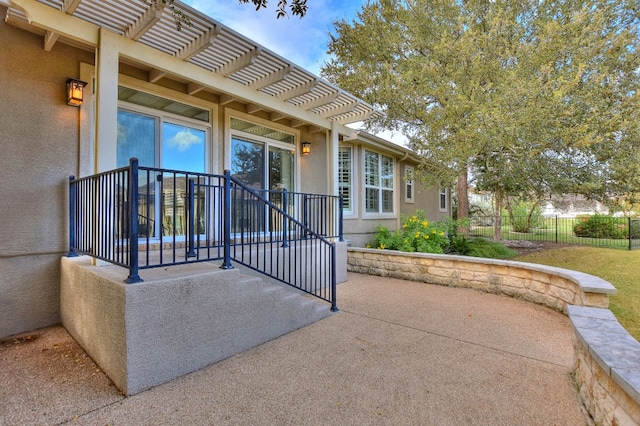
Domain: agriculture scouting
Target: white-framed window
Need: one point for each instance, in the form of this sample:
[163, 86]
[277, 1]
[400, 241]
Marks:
[408, 185]
[378, 183]
[168, 134]
[262, 157]
[345, 177]
[444, 205]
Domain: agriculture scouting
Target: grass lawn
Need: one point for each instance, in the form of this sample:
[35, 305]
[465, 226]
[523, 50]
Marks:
[621, 268]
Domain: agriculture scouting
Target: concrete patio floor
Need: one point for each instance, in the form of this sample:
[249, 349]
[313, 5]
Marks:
[397, 353]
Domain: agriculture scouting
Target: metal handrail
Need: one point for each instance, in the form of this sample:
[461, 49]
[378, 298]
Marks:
[202, 220]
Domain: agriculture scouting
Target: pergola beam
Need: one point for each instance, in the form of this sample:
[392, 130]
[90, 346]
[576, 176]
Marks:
[339, 110]
[240, 63]
[297, 91]
[203, 42]
[144, 23]
[273, 78]
[155, 75]
[323, 100]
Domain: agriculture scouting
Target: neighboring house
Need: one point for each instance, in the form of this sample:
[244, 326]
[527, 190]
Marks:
[202, 99]
[376, 180]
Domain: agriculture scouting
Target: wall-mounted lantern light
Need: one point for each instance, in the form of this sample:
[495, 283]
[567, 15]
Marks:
[74, 91]
[306, 148]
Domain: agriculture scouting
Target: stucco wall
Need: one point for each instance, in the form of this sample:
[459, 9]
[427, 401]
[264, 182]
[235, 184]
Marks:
[39, 140]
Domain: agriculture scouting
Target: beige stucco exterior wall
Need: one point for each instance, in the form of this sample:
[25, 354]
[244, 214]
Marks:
[314, 167]
[427, 199]
[39, 140]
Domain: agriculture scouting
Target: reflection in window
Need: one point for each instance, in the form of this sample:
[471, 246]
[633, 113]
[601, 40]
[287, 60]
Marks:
[136, 138]
[183, 148]
[247, 162]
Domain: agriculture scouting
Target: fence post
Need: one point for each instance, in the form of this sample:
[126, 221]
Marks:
[72, 217]
[340, 207]
[556, 229]
[334, 305]
[285, 233]
[630, 234]
[226, 263]
[132, 218]
[191, 252]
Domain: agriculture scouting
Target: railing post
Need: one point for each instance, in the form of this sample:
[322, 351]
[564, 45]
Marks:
[72, 217]
[340, 213]
[285, 231]
[226, 263]
[334, 304]
[192, 241]
[132, 217]
[305, 215]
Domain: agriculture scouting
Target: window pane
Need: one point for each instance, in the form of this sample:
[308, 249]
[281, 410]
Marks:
[387, 172]
[409, 183]
[247, 162]
[372, 202]
[162, 104]
[136, 138]
[371, 168]
[266, 132]
[281, 174]
[387, 201]
[344, 176]
[183, 148]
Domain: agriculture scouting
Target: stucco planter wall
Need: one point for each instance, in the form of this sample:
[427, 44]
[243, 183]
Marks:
[607, 358]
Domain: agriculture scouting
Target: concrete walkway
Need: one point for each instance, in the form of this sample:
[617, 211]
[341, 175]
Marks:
[397, 353]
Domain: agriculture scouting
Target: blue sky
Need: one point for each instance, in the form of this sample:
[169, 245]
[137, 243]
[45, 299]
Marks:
[301, 41]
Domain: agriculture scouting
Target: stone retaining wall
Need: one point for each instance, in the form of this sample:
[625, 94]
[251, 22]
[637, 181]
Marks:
[607, 358]
[552, 287]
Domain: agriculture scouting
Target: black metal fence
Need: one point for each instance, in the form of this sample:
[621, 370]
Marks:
[141, 217]
[590, 230]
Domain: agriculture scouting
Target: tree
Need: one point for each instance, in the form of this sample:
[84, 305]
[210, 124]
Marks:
[297, 7]
[517, 87]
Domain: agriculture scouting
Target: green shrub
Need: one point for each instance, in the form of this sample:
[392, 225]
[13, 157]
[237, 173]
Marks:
[600, 226]
[525, 218]
[417, 234]
[480, 247]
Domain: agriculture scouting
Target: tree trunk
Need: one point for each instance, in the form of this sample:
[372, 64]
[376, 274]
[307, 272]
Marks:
[497, 216]
[463, 202]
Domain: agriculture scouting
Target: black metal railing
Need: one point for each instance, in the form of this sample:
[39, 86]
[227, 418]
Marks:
[142, 217]
[591, 230]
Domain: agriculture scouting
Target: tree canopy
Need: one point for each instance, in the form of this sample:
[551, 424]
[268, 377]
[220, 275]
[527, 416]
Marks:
[529, 97]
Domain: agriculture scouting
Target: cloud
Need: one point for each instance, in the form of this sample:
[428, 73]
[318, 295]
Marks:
[183, 140]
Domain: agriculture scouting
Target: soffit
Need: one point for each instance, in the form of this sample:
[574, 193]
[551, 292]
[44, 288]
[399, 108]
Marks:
[212, 46]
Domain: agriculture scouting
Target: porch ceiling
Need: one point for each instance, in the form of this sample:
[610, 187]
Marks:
[211, 46]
